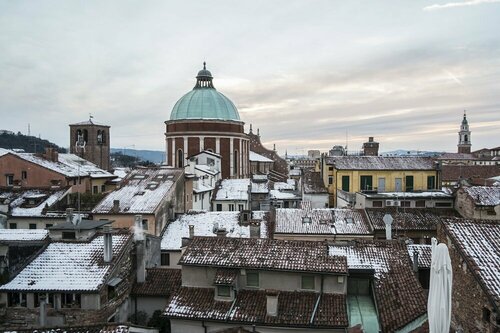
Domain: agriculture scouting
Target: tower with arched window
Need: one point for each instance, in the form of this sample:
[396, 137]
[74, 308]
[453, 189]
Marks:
[206, 120]
[464, 143]
[90, 141]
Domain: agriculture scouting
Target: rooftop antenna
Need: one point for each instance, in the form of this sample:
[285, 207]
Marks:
[346, 141]
[29, 129]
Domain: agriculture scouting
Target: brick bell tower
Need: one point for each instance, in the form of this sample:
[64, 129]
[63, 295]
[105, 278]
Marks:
[464, 145]
[90, 141]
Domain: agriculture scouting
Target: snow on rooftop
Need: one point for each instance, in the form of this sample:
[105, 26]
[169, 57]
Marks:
[254, 157]
[233, 189]
[484, 195]
[68, 267]
[381, 163]
[321, 221]
[141, 192]
[363, 258]
[410, 195]
[424, 254]
[276, 194]
[289, 185]
[20, 204]
[260, 187]
[204, 225]
[23, 234]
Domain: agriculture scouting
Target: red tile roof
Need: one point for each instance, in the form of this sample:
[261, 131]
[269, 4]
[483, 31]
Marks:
[226, 276]
[409, 218]
[159, 282]
[294, 308]
[259, 253]
[451, 173]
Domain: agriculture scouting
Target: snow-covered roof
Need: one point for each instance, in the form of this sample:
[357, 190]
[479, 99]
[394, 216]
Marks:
[13, 235]
[424, 254]
[477, 241]
[68, 267]
[254, 157]
[484, 195]
[89, 122]
[69, 165]
[261, 187]
[233, 189]
[20, 201]
[409, 195]
[313, 183]
[321, 221]
[381, 163]
[141, 192]
[279, 195]
[205, 223]
[288, 186]
[206, 169]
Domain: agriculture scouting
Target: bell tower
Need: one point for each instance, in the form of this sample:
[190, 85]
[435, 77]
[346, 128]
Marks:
[90, 141]
[464, 145]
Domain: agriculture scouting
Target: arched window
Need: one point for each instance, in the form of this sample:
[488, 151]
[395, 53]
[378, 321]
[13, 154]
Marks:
[235, 163]
[466, 138]
[78, 134]
[180, 158]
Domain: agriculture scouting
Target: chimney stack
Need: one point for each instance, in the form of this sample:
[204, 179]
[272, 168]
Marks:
[415, 261]
[140, 249]
[51, 154]
[254, 229]
[138, 229]
[108, 244]
[191, 231]
[116, 206]
[272, 302]
[388, 226]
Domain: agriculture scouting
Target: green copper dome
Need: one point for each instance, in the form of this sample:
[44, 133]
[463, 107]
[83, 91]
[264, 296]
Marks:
[204, 102]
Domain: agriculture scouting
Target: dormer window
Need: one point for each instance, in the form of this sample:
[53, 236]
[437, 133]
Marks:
[224, 291]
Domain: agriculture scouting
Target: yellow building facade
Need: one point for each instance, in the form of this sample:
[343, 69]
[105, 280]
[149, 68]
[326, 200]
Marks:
[346, 175]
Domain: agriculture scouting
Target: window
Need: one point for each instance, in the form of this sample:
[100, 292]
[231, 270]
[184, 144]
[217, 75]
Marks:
[442, 204]
[12, 225]
[95, 189]
[145, 224]
[219, 207]
[68, 235]
[32, 226]
[224, 291]
[431, 182]
[70, 300]
[16, 299]
[406, 203]
[240, 207]
[196, 198]
[180, 158]
[252, 279]
[307, 282]
[103, 188]
[366, 183]
[48, 225]
[330, 180]
[24, 174]
[409, 184]
[231, 207]
[165, 259]
[330, 168]
[420, 203]
[377, 203]
[9, 180]
[345, 183]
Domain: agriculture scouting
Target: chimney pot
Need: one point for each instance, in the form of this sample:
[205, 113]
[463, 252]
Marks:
[191, 231]
[415, 261]
[370, 139]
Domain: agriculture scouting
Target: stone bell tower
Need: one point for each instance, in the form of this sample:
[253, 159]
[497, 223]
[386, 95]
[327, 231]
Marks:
[464, 145]
[90, 141]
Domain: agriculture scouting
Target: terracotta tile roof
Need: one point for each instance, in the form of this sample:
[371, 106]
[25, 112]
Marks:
[409, 218]
[225, 276]
[484, 195]
[400, 298]
[102, 328]
[456, 172]
[478, 243]
[159, 282]
[337, 221]
[294, 308]
[381, 163]
[313, 183]
[424, 254]
[258, 253]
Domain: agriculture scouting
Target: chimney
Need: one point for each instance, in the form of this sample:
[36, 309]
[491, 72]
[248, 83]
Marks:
[51, 154]
[191, 231]
[388, 226]
[185, 242]
[108, 244]
[415, 261]
[116, 206]
[43, 311]
[221, 232]
[138, 229]
[69, 215]
[140, 253]
[254, 229]
[272, 302]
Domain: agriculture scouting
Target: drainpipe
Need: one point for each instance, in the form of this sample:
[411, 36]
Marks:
[317, 302]
[204, 326]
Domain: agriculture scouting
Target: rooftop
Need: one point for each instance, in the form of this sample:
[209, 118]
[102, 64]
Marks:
[336, 221]
[22, 235]
[64, 266]
[232, 189]
[141, 191]
[295, 309]
[451, 173]
[159, 282]
[477, 241]
[399, 297]
[424, 254]
[381, 163]
[313, 183]
[31, 203]
[258, 253]
[206, 224]
[408, 195]
[484, 195]
[254, 157]
[409, 218]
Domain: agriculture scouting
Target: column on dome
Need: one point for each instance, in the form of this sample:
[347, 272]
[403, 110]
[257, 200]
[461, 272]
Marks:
[231, 158]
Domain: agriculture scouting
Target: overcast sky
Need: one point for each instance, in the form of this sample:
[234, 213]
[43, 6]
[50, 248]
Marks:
[307, 73]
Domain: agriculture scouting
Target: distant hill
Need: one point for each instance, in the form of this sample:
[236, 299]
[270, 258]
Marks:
[155, 156]
[30, 144]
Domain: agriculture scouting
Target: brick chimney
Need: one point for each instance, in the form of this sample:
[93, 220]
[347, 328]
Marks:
[51, 154]
[108, 244]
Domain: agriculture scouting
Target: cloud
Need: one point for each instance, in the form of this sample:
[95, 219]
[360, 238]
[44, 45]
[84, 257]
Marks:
[459, 4]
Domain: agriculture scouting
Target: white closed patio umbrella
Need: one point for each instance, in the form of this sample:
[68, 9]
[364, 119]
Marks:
[439, 301]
